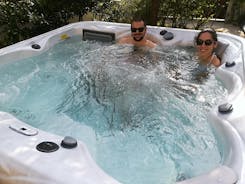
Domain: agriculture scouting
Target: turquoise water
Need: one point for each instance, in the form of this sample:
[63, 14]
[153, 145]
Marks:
[141, 113]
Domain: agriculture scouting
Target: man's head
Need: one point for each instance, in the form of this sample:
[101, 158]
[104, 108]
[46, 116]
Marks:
[138, 29]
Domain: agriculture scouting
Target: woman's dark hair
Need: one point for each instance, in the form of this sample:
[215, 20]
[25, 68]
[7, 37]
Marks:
[212, 32]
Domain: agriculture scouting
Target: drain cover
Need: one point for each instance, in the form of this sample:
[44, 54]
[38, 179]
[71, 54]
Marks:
[47, 147]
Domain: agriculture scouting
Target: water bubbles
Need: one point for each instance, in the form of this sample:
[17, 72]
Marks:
[127, 98]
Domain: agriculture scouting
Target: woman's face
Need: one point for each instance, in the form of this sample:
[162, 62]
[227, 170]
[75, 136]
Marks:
[206, 44]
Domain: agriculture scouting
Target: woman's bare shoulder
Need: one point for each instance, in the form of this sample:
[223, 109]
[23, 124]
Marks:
[216, 61]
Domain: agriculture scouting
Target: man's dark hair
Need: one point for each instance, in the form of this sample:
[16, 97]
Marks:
[138, 19]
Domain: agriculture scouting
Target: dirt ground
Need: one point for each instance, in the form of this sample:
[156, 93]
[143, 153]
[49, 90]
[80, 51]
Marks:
[227, 28]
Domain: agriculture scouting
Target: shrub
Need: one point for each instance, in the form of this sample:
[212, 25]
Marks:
[22, 19]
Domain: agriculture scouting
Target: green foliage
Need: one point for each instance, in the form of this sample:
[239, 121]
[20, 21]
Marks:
[15, 18]
[116, 11]
[185, 11]
[22, 19]
[178, 13]
[58, 12]
[174, 13]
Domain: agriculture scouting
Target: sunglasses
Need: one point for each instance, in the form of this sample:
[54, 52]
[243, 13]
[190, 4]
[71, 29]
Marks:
[206, 42]
[140, 29]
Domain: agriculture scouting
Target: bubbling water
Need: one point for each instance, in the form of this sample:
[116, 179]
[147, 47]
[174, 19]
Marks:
[139, 111]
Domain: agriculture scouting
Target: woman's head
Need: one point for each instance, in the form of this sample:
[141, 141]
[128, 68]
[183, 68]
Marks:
[206, 41]
[211, 32]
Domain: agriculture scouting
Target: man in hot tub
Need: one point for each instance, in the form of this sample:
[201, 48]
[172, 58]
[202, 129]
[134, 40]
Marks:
[137, 37]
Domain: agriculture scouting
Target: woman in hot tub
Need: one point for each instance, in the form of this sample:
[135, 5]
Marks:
[206, 42]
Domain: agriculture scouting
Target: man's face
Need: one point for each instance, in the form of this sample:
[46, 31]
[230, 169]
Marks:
[138, 30]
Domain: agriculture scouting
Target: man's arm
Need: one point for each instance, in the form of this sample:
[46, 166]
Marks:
[150, 44]
[124, 40]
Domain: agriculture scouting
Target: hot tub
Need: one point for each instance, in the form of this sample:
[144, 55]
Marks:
[22, 163]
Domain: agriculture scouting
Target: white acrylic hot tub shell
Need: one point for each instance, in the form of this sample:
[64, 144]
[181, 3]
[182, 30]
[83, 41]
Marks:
[20, 162]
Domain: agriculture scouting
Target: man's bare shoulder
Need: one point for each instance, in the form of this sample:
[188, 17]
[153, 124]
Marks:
[125, 40]
[129, 40]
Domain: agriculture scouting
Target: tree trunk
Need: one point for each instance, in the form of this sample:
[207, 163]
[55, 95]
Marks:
[151, 12]
[155, 4]
[234, 11]
[229, 14]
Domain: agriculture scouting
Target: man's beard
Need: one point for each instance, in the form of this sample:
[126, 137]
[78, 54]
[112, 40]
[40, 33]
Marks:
[137, 40]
